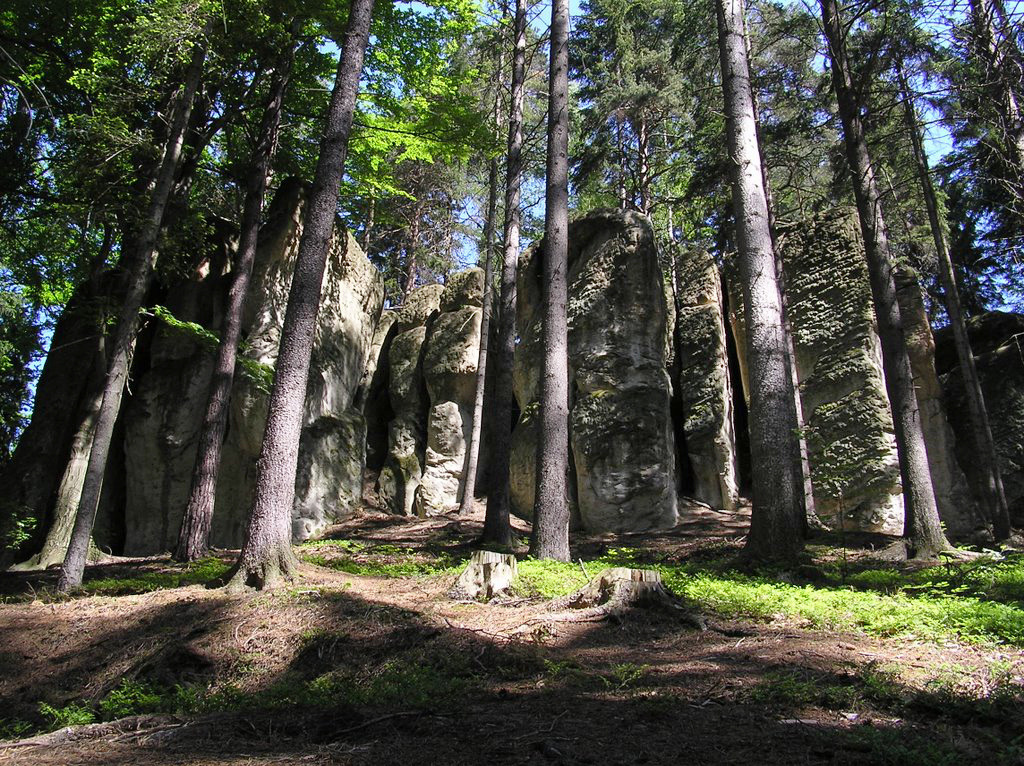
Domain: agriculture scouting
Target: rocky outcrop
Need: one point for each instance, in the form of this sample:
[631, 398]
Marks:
[163, 418]
[997, 339]
[407, 432]
[702, 380]
[449, 371]
[854, 463]
[957, 506]
[621, 440]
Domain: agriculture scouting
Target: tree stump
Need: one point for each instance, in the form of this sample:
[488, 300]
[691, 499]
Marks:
[488, 574]
[618, 589]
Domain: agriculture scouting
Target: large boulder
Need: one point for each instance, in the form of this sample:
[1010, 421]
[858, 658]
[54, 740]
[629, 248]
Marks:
[400, 477]
[702, 382]
[449, 371]
[623, 459]
[999, 355]
[163, 419]
[849, 429]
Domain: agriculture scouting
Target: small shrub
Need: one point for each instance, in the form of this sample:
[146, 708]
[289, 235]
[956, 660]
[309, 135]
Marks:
[69, 715]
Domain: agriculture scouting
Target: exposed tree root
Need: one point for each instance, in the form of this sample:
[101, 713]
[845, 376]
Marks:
[615, 591]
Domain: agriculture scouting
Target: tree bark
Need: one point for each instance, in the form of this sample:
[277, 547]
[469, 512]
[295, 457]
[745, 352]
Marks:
[550, 538]
[778, 517]
[810, 507]
[994, 495]
[921, 527]
[473, 448]
[266, 557]
[194, 535]
[139, 280]
[497, 529]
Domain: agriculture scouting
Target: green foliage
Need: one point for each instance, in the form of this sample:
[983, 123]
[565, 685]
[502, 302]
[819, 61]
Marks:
[14, 728]
[73, 714]
[198, 572]
[916, 604]
[259, 374]
[131, 698]
[547, 578]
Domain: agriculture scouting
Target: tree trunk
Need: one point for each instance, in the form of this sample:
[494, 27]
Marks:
[194, 535]
[810, 507]
[139, 280]
[69, 490]
[778, 518]
[473, 448]
[550, 538]
[643, 141]
[921, 527]
[497, 529]
[266, 556]
[410, 253]
[994, 494]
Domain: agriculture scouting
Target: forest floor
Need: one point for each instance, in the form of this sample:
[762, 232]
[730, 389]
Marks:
[849, 659]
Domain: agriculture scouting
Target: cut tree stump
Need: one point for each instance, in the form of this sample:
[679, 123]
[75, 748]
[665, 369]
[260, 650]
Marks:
[618, 589]
[487, 575]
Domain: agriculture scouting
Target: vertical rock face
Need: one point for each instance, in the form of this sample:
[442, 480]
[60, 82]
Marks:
[403, 468]
[957, 507]
[622, 447]
[449, 371]
[702, 381]
[997, 339]
[854, 463]
[163, 420]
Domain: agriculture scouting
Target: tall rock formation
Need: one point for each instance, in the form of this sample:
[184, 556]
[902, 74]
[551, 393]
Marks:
[997, 339]
[407, 432]
[622, 446]
[449, 371]
[702, 379]
[162, 420]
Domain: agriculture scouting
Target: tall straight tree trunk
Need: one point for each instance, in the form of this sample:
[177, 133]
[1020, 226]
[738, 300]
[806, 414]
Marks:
[410, 253]
[921, 527]
[473, 449]
[267, 556]
[550, 538]
[777, 520]
[139, 280]
[643, 150]
[497, 529]
[995, 496]
[194, 535]
[810, 507]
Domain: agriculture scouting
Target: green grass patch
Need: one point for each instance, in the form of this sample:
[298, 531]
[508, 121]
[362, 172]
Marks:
[378, 560]
[198, 572]
[882, 602]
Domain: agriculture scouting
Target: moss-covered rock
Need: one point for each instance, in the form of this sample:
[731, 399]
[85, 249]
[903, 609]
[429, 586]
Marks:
[702, 380]
[623, 461]
[854, 463]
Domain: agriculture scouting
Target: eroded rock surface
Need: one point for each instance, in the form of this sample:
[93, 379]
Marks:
[997, 339]
[162, 421]
[702, 380]
[449, 371]
[407, 432]
[854, 463]
[620, 425]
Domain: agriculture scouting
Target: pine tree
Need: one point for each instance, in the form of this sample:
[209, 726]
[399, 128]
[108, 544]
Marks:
[266, 557]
